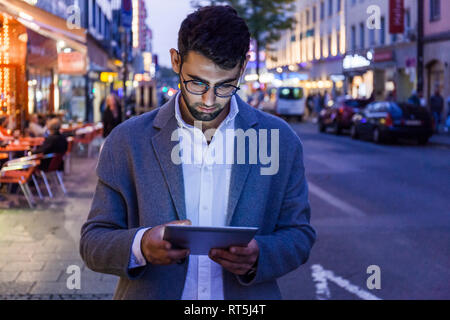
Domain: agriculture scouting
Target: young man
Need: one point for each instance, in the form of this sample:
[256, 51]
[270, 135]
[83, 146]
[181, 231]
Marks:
[142, 187]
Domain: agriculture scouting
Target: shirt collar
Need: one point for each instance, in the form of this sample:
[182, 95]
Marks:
[234, 109]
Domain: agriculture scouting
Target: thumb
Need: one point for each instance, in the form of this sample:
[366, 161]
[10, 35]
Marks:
[181, 222]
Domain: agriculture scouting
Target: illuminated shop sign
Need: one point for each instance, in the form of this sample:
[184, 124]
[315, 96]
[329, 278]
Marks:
[355, 61]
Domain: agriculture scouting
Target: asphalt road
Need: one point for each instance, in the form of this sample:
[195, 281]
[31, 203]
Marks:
[382, 205]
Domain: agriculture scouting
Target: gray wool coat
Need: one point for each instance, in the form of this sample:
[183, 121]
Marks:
[140, 186]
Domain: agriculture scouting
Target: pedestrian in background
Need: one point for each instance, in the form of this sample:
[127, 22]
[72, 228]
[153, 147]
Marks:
[112, 116]
[54, 143]
[436, 108]
[447, 122]
[414, 99]
[35, 128]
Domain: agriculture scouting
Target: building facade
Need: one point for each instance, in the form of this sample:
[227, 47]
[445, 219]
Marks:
[380, 64]
[437, 48]
[310, 55]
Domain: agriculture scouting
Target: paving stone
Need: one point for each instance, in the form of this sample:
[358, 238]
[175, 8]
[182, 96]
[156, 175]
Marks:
[7, 276]
[37, 246]
[30, 276]
[24, 266]
[92, 287]
[62, 264]
[15, 287]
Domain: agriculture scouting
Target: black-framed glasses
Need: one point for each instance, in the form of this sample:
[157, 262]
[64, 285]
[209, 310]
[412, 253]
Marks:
[199, 87]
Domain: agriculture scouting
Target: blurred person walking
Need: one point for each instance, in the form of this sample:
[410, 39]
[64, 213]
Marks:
[436, 108]
[112, 116]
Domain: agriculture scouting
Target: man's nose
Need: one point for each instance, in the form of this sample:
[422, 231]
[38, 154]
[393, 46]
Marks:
[209, 98]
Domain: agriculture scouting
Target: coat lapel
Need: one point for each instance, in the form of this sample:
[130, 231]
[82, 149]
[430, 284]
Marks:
[244, 120]
[163, 145]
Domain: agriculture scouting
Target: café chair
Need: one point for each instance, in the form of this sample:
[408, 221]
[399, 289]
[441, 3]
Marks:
[42, 173]
[21, 173]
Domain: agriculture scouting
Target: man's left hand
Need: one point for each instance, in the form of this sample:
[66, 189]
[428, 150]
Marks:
[237, 260]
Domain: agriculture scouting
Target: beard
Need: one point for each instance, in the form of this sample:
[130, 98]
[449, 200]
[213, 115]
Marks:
[197, 114]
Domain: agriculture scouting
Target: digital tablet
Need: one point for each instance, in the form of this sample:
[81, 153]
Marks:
[200, 240]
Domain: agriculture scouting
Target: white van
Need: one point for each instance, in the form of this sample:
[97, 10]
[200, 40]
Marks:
[290, 102]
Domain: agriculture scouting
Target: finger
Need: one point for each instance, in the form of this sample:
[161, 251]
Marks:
[181, 222]
[176, 255]
[162, 244]
[236, 268]
[224, 254]
[242, 251]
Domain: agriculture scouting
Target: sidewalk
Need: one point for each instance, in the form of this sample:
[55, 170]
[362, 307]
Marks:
[442, 138]
[37, 246]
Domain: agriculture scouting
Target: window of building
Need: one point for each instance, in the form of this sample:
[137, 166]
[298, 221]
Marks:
[94, 13]
[372, 37]
[330, 42]
[353, 38]
[435, 10]
[322, 10]
[362, 35]
[330, 7]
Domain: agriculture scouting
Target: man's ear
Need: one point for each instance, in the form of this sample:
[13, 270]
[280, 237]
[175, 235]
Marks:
[176, 60]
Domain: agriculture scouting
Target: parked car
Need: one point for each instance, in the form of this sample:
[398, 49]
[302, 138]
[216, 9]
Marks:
[290, 102]
[384, 121]
[339, 115]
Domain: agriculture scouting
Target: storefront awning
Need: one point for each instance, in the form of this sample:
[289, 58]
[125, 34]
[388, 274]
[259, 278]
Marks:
[45, 23]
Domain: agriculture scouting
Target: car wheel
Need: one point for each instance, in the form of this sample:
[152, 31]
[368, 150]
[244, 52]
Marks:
[354, 132]
[423, 140]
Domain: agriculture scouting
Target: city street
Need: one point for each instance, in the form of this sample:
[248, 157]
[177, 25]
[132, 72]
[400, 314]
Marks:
[383, 205]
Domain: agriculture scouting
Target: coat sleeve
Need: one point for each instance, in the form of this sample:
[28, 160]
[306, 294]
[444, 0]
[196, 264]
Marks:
[289, 245]
[106, 239]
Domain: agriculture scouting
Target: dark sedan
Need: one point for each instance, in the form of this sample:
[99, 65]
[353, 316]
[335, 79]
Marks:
[339, 116]
[387, 121]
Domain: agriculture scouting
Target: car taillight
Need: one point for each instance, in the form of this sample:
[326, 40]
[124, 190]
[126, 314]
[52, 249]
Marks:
[389, 121]
[341, 110]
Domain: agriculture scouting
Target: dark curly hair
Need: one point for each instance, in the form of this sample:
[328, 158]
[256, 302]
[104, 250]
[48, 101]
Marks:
[216, 32]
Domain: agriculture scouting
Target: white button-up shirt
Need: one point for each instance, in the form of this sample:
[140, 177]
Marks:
[206, 189]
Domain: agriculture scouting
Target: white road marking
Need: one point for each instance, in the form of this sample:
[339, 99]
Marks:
[334, 201]
[321, 277]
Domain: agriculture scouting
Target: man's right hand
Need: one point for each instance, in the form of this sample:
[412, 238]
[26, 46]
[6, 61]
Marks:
[158, 251]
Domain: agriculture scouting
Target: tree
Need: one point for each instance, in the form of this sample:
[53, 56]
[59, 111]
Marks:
[266, 19]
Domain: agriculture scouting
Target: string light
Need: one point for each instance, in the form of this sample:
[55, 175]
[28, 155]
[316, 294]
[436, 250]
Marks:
[5, 88]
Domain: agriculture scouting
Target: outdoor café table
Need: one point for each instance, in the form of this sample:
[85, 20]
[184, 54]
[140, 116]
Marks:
[32, 142]
[12, 148]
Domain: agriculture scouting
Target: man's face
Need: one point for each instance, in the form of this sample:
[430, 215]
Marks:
[206, 107]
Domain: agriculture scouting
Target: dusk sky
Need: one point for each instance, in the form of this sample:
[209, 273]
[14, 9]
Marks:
[165, 17]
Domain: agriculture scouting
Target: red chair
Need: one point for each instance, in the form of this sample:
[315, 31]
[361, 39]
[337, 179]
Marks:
[21, 173]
